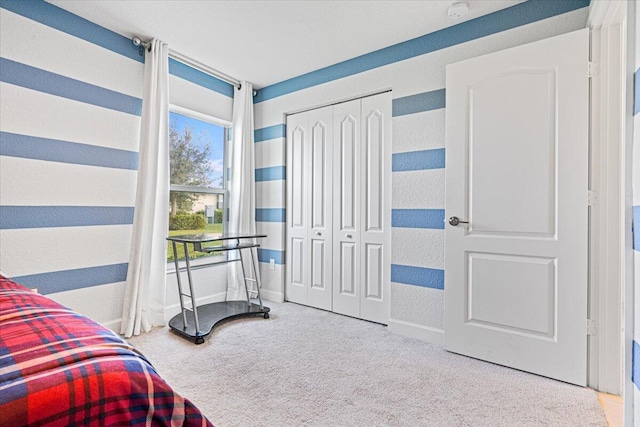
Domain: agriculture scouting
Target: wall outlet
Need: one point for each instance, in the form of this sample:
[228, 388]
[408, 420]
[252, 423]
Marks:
[272, 264]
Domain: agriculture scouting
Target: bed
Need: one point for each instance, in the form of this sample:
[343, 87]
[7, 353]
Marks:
[59, 368]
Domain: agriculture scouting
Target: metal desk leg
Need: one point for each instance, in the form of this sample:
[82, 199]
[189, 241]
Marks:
[256, 275]
[244, 277]
[193, 297]
[180, 293]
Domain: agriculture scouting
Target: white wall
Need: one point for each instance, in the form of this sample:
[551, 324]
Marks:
[417, 81]
[70, 109]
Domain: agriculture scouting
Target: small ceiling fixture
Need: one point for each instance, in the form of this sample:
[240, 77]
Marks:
[457, 10]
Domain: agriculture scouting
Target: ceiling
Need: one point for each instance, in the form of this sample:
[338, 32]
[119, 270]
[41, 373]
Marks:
[266, 42]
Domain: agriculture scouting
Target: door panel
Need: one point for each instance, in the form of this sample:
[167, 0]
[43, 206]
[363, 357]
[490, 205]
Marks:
[517, 170]
[297, 254]
[522, 153]
[320, 232]
[346, 235]
[348, 142]
[374, 143]
[297, 148]
[309, 215]
[375, 238]
[346, 266]
[374, 279]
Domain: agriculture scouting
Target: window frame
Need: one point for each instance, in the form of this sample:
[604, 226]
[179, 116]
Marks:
[224, 191]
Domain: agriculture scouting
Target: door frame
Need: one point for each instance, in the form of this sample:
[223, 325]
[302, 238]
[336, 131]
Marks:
[608, 181]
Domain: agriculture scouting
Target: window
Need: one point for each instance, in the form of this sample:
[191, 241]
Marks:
[197, 193]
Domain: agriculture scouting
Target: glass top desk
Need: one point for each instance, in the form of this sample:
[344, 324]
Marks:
[196, 323]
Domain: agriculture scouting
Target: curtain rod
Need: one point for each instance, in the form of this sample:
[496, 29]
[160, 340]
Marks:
[190, 62]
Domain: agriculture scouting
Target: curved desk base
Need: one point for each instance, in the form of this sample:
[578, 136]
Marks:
[210, 315]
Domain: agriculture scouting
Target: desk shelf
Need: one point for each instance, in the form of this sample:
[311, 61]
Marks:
[211, 315]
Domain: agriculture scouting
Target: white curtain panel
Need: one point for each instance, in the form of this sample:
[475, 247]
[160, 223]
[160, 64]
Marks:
[144, 300]
[242, 206]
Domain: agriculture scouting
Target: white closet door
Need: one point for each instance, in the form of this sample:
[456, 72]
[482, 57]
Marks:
[309, 215]
[320, 231]
[347, 159]
[297, 254]
[375, 215]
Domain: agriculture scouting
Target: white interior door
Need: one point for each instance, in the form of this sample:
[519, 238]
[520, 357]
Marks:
[347, 159]
[321, 178]
[517, 171]
[375, 214]
[309, 215]
[297, 254]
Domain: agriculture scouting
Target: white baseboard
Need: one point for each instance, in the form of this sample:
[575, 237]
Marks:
[272, 295]
[412, 330]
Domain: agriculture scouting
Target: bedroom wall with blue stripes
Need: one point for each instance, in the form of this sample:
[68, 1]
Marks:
[69, 135]
[415, 71]
[635, 346]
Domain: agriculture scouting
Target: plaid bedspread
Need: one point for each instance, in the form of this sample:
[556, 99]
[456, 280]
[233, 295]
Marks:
[59, 368]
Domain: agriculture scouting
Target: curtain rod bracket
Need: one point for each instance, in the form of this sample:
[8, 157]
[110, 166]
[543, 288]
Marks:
[141, 44]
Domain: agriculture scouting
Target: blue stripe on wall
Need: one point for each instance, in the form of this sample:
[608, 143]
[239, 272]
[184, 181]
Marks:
[636, 100]
[417, 276]
[270, 215]
[635, 364]
[12, 217]
[67, 280]
[271, 132]
[636, 228]
[60, 19]
[419, 102]
[53, 150]
[505, 19]
[418, 160]
[205, 80]
[264, 255]
[417, 218]
[44, 81]
[274, 173]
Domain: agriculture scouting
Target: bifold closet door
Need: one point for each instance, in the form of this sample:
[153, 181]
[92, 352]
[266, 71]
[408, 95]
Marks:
[375, 213]
[347, 159]
[309, 184]
[362, 200]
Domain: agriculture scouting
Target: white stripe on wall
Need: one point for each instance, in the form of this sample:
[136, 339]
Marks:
[40, 250]
[275, 235]
[422, 189]
[270, 153]
[419, 247]
[418, 305]
[189, 95]
[420, 131]
[270, 194]
[29, 112]
[64, 54]
[41, 183]
[87, 301]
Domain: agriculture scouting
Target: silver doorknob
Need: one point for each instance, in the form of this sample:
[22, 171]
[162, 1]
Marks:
[349, 236]
[318, 233]
[454, 220]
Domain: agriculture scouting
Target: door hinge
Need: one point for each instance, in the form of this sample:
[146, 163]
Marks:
[592, 197]
[594, 70]
[592, 329]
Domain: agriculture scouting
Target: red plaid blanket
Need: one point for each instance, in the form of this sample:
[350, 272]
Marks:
[59, 368]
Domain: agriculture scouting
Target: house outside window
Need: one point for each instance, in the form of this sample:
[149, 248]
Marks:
[197, 192]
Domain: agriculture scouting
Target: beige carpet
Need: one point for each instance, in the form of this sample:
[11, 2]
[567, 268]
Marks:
[310, 367]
